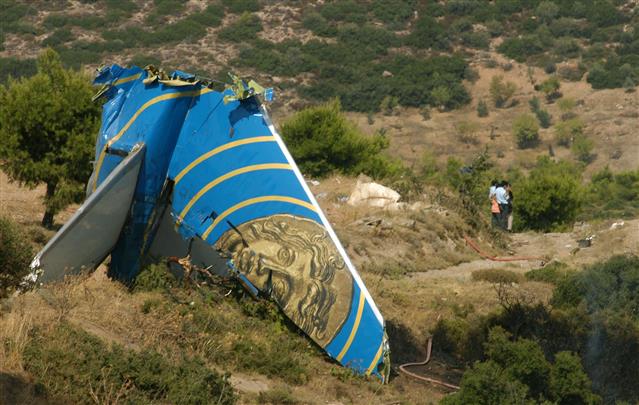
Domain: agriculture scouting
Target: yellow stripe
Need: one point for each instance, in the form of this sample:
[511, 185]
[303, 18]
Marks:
[146, 105]
[246, 169]
[252, 201]
[376, 359]
[347, 345]
[219, 149]
[127, 79]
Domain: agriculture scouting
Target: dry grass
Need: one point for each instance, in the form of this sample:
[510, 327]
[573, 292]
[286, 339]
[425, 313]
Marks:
[14, 335]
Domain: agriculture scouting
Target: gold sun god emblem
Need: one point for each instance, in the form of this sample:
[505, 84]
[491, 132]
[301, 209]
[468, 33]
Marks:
[298, 262]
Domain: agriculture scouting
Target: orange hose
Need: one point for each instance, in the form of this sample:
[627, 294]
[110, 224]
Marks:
[499, 259]
[429, 348]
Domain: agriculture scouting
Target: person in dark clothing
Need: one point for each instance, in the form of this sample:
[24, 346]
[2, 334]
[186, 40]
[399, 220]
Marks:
[509, 221]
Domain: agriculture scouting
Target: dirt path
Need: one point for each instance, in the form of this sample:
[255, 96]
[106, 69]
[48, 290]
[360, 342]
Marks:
[610, 238]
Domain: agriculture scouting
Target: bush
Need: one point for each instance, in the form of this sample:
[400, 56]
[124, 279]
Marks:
[73, 364]
[318, 25]
[612, 195]
[486, 383]
[467, 132]
[476, 39]
[496, 276]
[567, 47]
[552, 273]
[566, 104]
[394, 14]
[550, 197]
[428, 33]
[501, 91]
[534, 104]
[550, 87]
[516, 371]
[582, 148]
[346, 11]
[526, 131]
[241, 6]
[15, 255]
[544, 118]
[606, 285]
[322, 141]
[520, 49]
[244, 29]
[607, 291]
[567, 131]
[58, 37]
[16, 68]
[155, 277]
[482, 109]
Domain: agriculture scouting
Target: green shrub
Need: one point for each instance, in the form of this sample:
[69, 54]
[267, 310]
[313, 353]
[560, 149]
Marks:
[242, 6]
[427, 33]
[477, 39]
[16, 68]
[466, 132]
[567, 131]
[11, 12]
[581, 148]
[517, 371]
[552, 273]
[501, 91]
[520, 49]
[496, 276]
[568, 381]
[486, 383]
[612, 195]
[523, 359]
[155, 277]
[322, 141]
[544, 118]
[244, 29]
[567, 47]
[56, 21]
[550, 197]
[566, 104]
[211, 16]
[461, 338]
[58, 37]
[163, 8]
[607, 290]
[482, 109]
[15, 255]
[550, 87]
[607, 285]
[534, 104]
[345, 10]
[73, 364]
[394, 14]
[526, 131]
[318, 25]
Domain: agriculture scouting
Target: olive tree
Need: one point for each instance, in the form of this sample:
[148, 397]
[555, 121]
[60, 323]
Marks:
[47, 128]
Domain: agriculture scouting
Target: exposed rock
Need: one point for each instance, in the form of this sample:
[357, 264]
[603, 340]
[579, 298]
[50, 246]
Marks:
[374, 195]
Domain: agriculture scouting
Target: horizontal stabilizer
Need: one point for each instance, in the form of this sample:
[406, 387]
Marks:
[89, 236]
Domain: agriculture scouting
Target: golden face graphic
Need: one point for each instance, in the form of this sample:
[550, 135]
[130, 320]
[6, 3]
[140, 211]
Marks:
[297, 260]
